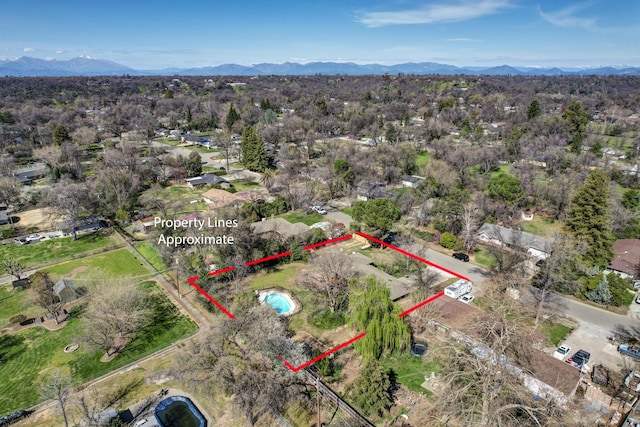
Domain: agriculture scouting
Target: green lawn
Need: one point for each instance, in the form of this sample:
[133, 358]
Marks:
[115, 264]
[301, 217]
[556, 332]
[410, 370]
[348, 210]
[15, 302]
[169, 141]
[244, 185]
[540, 226]
[422, 158]
[152, 256]
[56, 249]
[28, 355]
[483, 257]
[501, 169]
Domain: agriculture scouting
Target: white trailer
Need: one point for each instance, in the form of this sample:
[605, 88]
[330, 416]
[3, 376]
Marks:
[457, 289]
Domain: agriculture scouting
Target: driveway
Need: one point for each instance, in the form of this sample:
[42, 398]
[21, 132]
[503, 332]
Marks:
[595, 326]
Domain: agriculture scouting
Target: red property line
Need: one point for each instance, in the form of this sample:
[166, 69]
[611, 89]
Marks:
[323, 355]
[269, 258]
[192, 282]
[409, 254]
[423, 303]
[223, 270]
[328, 242]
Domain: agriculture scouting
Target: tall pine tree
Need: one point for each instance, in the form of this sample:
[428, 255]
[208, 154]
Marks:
[254, 156]
[588, 219]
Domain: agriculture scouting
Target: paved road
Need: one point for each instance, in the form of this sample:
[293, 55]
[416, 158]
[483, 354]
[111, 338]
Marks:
[595, 326]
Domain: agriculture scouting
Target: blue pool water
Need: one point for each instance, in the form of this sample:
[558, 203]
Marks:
[278, 302]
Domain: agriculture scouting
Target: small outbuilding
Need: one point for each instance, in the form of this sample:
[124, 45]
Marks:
[66, 290]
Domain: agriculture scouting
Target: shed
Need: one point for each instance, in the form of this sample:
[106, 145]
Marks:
[66, 290]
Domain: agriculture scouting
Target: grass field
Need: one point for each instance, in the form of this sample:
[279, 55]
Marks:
[13, 303]
[114, 264]
[244, 185]
[56, 249]
[28, 355]
[152, 256]
[501, 169]
[305, 219]
[556, 332]
[483, 257]
[410, 370]
[540, 226]
[422, 158]
[348, 210]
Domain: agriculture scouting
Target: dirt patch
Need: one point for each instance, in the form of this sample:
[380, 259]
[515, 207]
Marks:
[76, 271]
[37, 218]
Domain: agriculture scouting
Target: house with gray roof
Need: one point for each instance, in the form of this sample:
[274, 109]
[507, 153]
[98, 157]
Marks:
[536, 246]
[206, 180]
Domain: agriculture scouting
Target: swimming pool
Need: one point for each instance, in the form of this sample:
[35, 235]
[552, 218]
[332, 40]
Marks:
[178, 411]
[280, 302]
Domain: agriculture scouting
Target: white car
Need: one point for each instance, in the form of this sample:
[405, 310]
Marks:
[466, 298]
[140, 422]
[638, 299]
[33, 238]
[562, 352]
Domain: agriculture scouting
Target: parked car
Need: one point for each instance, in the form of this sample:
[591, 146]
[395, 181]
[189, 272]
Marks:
[461, 256]
[562, 352]
[33, 238]
[321, 211]
[467, 298]
[630, 350]
[579, 359]
[638, 299]
[140, 422]
[22, 241]
[539, 263]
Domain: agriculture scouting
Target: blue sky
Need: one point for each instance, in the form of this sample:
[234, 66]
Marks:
[156, 34]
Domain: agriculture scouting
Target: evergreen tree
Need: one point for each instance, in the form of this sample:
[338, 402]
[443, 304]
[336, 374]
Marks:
[588, 219]
[372, 389]
[193, 164]
[232, 118]
[254, 156]
[577, 118]
[372, 310]
[378, 215]
[61, 135]
[601, 294]
[533, 110]
[506, 188]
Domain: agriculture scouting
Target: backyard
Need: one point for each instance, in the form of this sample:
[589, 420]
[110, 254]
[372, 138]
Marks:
[47, 251]
[21, 371]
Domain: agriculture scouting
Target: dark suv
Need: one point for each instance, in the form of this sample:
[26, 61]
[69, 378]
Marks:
[460, 256]
[579, 359]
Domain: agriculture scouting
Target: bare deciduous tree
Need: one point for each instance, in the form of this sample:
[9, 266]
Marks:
[13, 267]
[330, 277]
[43, 294]
[57, 386]
[114, 316]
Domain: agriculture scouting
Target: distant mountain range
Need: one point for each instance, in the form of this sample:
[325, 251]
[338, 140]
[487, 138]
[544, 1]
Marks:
[84, 66]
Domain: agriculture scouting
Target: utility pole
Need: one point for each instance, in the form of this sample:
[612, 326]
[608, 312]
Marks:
[177, 277]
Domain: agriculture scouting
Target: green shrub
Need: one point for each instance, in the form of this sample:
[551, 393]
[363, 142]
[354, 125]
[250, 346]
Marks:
[325, 319]
[448, 240]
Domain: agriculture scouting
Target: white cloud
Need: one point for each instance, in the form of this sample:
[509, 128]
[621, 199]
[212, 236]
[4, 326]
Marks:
[59, 52]
[28, 49]
[462, 11]
[566, 18]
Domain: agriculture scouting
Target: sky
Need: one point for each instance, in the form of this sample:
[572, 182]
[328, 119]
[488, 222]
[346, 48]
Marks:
[158, 34]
